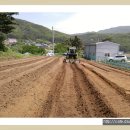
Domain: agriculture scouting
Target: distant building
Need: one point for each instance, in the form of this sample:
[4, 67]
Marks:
[41, 45]
[10, 41]
[29, 42]
[101, 50]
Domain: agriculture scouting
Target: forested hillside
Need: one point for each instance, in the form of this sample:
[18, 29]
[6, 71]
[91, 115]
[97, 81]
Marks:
[115, 30]
[122, 39]
[30, 31]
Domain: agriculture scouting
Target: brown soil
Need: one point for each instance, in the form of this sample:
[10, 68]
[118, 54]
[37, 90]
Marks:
[47, 87]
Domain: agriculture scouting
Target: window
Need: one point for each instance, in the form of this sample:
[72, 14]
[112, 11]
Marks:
[107, 54]
[119, 56]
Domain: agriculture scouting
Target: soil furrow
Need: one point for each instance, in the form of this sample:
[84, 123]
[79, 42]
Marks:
[96, 106]
[82, 107]
[14, 71]
[52, 101]
[109, 95]
[9, 62]
[20, 86]
[107, 68]
[4, 67]
[119, 89]
[47, 87]
[30, 102]
[26, 73]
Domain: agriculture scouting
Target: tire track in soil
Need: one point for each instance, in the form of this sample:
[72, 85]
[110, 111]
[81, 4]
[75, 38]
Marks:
[9, 66]
[14, 71]
[90, 103]
[30, 103]
[110, 83]
[11, 61]
[53, 99]
[113, 99]
[107, 68]
[26, 73]
[95, 65]
[20, 86]
[68, 99]
[82, 108]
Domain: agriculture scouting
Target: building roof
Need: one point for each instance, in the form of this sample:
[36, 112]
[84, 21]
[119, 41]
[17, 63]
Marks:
[72, 47]
[102, 43]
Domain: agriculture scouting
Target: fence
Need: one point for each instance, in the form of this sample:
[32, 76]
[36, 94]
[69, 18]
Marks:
[122, 65]
[117, 64]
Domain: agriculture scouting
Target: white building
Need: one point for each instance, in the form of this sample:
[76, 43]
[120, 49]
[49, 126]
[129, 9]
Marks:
[10, 41]
[41, 45]
[101, 50]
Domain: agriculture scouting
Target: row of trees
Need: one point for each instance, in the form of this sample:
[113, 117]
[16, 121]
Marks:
[63, 47]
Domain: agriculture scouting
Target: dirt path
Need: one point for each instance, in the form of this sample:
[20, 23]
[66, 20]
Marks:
[47, 87]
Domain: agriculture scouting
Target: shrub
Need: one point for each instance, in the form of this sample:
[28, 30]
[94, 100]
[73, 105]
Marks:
[33, 49]
[60, 48]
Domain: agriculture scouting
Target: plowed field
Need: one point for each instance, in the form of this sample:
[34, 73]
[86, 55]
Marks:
[47, 87]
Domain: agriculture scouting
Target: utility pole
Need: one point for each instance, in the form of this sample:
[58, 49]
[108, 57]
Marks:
[53, 38]
[98, 39]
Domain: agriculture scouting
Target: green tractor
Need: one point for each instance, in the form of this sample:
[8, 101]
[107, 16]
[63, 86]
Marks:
[71, 56]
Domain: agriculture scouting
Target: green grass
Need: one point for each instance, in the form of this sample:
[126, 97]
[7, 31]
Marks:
[11, 55]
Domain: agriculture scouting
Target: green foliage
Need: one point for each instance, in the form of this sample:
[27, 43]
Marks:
[107, 39]
[9, 54]
[7, 22]
[2, 38]
[77, 43]
[74, 42]
[39, 41]
[6, 26]
[33, 49]
[18, 47]
[22, 48]
[122, 39]
[30, 31]
[60, 48]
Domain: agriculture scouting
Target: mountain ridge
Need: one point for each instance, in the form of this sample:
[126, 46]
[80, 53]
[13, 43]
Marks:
[28, 30]
[116, 30]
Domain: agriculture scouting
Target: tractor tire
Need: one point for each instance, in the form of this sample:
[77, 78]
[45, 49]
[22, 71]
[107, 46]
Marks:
[122, 61]
[110, 60]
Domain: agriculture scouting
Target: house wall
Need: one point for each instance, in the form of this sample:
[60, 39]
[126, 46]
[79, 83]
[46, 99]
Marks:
[98, 51]
[106, 48]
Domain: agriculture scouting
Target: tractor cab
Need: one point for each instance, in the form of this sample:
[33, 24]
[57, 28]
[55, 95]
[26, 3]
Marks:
[71, 55]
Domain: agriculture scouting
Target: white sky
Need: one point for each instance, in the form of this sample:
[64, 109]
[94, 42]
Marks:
[83, 18]
[95, 19]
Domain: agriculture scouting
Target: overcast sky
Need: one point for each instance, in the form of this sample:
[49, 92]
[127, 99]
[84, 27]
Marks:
[80, 20]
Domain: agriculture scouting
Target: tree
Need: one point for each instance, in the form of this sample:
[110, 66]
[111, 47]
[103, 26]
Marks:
[6, 26]
[60, 48]
[107, 39]
[75, 42]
